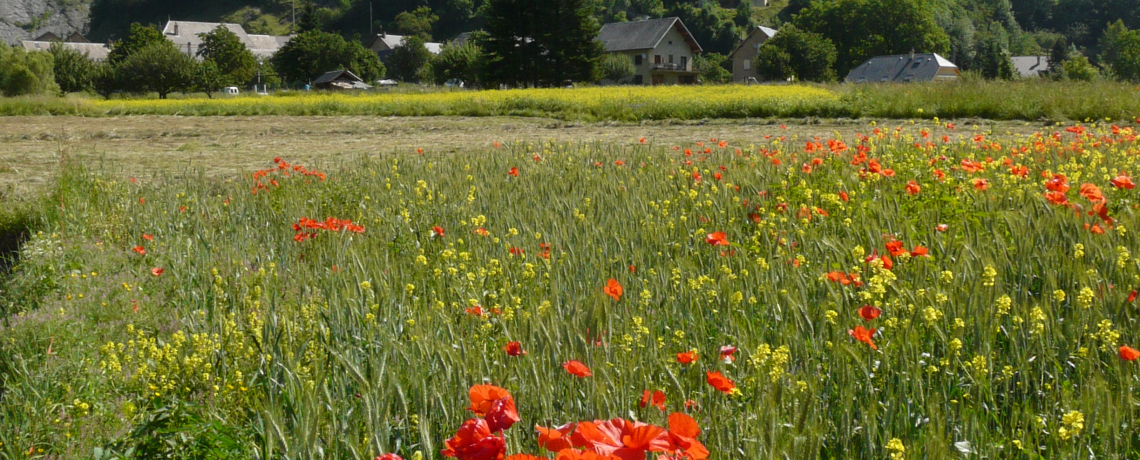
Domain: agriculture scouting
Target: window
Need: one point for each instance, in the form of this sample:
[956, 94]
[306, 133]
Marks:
[656, 58]
[685, 62]
[637, 60]
[637, 80]
[747, 64]
[670, 58]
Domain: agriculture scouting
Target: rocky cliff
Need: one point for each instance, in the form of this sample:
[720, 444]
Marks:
[26, 19]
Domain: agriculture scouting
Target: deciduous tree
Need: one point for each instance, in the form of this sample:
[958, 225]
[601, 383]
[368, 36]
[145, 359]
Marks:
[233, 62]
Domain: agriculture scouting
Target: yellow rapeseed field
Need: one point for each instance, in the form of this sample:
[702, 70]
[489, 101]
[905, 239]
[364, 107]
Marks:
[625, 103]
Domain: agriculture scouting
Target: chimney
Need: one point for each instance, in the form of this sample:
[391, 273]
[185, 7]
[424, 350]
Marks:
[176, 28]
[912, 54]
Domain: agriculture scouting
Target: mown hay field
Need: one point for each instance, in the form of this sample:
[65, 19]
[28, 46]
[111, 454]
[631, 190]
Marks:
[913, 291]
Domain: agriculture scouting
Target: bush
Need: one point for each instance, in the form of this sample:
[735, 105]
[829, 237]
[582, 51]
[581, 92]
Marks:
[410, 62]
[23, 73]
[72, 69]
[158, 67]
[312, 53]
[798, 54]
[459, 63]
[1079, 68]
[616, 66]
[711, 66]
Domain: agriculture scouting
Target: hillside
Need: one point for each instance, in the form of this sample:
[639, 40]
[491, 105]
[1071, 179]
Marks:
[1021, 27]
[24, 19]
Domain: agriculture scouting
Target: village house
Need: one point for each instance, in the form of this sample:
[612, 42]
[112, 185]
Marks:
[1031, 66]
[186, 35]
[743, 70]
[662, 50]
[340, 80]
[904, 69]
[384, 44]
[75, 41]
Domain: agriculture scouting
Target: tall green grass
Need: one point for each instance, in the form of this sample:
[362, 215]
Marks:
[348, 346]
[1033, 100]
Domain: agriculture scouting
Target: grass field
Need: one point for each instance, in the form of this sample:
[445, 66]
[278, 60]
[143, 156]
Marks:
[923, 290]
[1032, 100]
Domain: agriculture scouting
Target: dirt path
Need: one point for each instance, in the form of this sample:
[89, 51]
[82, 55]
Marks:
[31, 147]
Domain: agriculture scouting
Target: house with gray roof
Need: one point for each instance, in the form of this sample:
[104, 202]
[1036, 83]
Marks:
[1031, 66]
[340, 80]
[94, 51]
[742, 57]
[187, 36]
[662, 50]
[383, 45]
[904, 69]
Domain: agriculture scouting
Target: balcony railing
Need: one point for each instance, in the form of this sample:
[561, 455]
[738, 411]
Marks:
[671, 66]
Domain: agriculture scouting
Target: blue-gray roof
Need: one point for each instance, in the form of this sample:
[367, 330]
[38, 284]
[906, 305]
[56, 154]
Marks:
[1030, 66]
[642, 35]
[900, 68]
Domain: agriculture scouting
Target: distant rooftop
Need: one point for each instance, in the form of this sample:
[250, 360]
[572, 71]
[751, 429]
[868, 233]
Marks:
[642, 35]
[902, 68]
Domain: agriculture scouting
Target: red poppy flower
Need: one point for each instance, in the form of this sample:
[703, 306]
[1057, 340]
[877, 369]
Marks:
[481, 231]
[140, 250]
[514, 172]
[613, 289]
[1123, 181]
[838, 277]
[920, 251]
[555, 439]
[514, 349]
[1128, 353]
[437, 231]
[717, 239]
[843, 196]
[720, 382]
[981, 184]
[727, 353]
[896, 248]
[389, 457]
[1056, 198]
[148, 237]
[942, 227]
[420, 151]
[157, 271]
[863, 335]
[475, 441]
[658, 398]
[516, 251]
[683, 432]
[575, 454]
[687, 357]
[1132, 297]
[577, 369]
[495, 404]
[912, 188]
[1092, 193]
[868, 312]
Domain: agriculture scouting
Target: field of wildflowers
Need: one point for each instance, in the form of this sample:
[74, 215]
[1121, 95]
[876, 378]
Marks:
[629, 103]
[1032, 100]
[894, 294]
